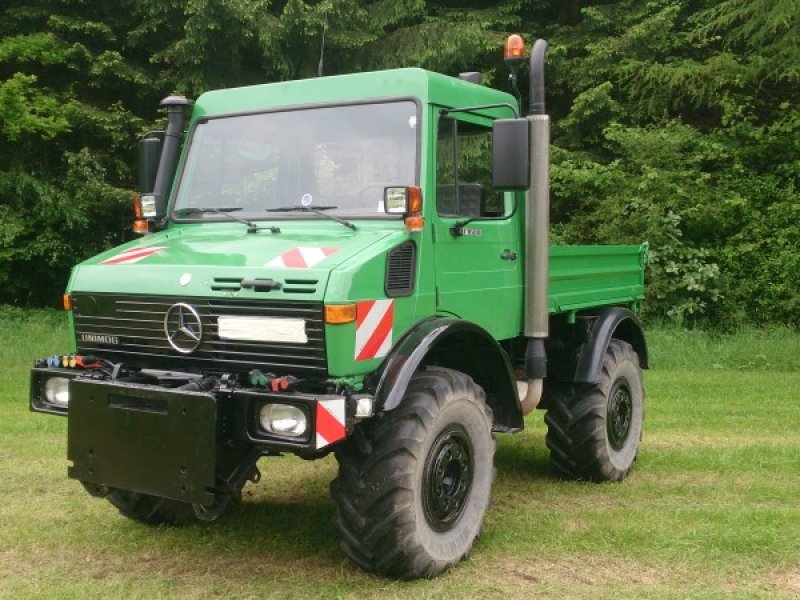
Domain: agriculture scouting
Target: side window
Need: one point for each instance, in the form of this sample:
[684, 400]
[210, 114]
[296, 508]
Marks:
[464, 171]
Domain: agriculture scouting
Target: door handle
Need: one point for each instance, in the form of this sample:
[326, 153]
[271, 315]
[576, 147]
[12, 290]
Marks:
[508, 255]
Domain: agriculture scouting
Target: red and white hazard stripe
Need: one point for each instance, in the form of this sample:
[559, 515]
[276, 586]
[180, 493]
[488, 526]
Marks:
[302, 257]
[374, 320]
[330, 421]
[132, 255]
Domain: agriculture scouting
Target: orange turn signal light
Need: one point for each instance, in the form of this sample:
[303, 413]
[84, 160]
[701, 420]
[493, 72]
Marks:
[67, 300]
[415, 222]
[414, 199]
[514, 49]
[338, 314]
[141, 226]
[413, 219]
[137, 207]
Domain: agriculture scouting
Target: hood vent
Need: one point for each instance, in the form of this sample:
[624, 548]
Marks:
[226, 284]
[401, 264]
[300, 286]
[290, 286]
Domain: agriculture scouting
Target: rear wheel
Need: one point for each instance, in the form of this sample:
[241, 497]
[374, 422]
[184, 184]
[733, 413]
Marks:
[414, 483]
[593, 431]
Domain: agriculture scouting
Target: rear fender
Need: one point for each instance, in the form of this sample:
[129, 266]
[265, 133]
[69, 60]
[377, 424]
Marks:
[613, 322]
[455, 344]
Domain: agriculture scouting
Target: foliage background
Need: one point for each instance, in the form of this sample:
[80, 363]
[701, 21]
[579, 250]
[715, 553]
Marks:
[675, 121]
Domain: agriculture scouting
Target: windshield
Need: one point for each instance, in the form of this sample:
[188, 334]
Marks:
[338, 158]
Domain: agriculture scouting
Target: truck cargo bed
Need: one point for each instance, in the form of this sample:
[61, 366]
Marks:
[590, 276]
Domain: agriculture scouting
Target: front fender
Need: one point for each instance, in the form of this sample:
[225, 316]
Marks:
[455, 344]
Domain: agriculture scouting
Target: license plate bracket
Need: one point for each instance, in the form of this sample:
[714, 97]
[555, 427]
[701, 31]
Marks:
[152, 441]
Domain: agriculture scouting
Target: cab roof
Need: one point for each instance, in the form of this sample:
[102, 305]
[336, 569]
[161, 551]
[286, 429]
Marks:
[426, 86]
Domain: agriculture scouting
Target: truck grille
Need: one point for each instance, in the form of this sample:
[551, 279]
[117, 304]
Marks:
[130, 329]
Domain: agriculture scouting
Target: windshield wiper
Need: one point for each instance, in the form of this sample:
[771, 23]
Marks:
[317, 211]
[251, 227]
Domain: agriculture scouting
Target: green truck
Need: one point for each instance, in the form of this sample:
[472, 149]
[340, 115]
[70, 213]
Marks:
[355, 264]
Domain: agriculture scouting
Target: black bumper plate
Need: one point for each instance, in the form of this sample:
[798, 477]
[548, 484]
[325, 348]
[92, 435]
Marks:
[142, 439]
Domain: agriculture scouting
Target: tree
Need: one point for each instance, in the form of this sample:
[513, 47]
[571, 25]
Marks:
[675, 121]
[66, 136]
[680, 125]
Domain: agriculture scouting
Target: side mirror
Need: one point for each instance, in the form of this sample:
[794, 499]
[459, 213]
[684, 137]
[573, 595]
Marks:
[511, 165]
[406, 201]
[149, 156]
[402, 200]
[395, 200]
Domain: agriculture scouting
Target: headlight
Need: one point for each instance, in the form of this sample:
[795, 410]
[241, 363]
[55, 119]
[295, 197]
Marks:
[283, 419]
[56, 391]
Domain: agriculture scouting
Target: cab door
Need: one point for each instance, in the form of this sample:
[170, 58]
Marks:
[476, 231]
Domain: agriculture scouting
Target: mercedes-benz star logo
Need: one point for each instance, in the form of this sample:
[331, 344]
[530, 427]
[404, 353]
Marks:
[183, 328]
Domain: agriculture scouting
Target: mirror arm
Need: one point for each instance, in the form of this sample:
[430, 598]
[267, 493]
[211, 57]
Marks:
[458, 227]
[446, 111]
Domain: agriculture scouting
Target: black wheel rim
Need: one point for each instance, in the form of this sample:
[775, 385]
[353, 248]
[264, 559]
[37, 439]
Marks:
[447, 479]
[619, 415]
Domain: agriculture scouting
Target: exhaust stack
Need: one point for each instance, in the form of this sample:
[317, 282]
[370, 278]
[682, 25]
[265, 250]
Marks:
[537, 225]
[176, 117]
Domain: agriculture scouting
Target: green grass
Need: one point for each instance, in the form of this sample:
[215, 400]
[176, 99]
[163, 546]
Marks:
[710, 511]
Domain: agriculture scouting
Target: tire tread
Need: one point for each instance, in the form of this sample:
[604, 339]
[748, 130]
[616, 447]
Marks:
[152, 510]
[576, 426]
[375, 497]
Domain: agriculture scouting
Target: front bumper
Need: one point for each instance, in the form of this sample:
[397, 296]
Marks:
[175, 443]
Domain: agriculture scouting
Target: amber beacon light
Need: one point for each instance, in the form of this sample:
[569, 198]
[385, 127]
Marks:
[514, 49]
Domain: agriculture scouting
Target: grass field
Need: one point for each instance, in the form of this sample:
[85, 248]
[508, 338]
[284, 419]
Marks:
[712, 509]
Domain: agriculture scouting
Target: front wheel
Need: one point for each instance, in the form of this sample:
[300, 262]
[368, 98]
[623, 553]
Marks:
[152, 510]
[414, 483]
[593, 431]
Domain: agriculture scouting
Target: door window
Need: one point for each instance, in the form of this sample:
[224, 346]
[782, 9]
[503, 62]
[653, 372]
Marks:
[464, 172]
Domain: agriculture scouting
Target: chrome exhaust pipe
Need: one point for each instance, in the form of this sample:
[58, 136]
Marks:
[537, 240]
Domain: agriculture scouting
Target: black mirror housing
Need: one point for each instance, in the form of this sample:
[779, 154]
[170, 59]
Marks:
[149, 156]
[511, 165]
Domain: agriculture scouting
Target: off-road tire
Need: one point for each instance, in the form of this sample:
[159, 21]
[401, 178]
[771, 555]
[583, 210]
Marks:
[403, 510]
[593, 431]
[152, 510]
